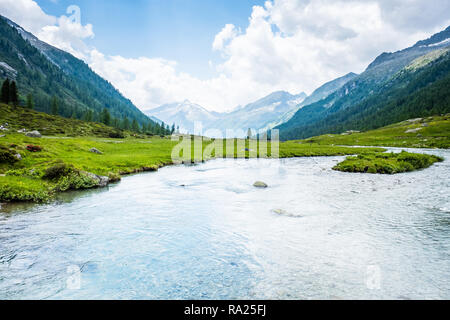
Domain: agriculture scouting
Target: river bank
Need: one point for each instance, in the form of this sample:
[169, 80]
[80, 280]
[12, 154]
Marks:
[35, 169]
[204, 232]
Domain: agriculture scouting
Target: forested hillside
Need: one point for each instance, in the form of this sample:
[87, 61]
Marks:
[396, 86]
[58, 83]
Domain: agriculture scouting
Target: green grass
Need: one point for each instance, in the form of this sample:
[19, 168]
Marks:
[387, 163]
[15, 189]
[19, 118]
[28, 179]
[431, 132]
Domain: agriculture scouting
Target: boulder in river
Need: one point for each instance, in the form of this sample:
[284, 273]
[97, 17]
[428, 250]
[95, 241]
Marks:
[34, 134]
[95, 150]
[285, 213]
[260, 184]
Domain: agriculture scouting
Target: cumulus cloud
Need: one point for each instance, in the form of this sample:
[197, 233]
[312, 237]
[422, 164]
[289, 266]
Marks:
[26, 13]
[68, 35]
[293, 45]
[228, 32]
[65, 32]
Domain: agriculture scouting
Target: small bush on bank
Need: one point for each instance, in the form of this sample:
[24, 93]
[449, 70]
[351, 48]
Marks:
[117, 135]
[75, 181]
[114, 177]
[33, 148]
[7, 156]
[57, 171]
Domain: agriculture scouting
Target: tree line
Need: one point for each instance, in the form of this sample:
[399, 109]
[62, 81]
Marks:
[58, 83]
[10, 95]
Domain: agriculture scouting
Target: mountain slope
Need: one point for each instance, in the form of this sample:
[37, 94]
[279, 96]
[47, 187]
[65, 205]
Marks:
[373, 90]
[262, 114]
[45, 71]
[320, 93]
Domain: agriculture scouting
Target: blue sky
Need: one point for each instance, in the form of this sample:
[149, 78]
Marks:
[225, 53]
[179, 30]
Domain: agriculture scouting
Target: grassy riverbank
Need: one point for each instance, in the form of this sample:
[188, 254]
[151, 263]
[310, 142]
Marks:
[431, 132]
[387, 163]
[26, 179]
[35, 169]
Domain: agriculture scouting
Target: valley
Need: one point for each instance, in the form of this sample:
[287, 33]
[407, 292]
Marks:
[70, 153]
[313, 165]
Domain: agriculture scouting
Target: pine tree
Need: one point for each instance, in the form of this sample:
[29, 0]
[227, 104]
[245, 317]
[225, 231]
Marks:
[125, 124]
[115, 123]
[55, 106]
[5, 92]
[30, 104]
[144, 128]
[88, 116]
[135, 126]
[173, 129]
[105, 117]
[13, 94]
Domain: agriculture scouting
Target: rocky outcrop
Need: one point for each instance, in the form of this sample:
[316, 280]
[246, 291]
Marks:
[95, 150]
[413, 130]
[34, 134]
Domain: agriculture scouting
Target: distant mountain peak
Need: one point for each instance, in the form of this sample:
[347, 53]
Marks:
[436, 39]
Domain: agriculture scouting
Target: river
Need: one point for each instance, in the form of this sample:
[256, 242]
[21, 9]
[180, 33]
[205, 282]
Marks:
[204, 232]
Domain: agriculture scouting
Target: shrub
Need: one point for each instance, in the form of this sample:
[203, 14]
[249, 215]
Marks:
[23, 189]
[33, 148]
[57, 171]
[75, 181]
[7, 156]
[114, 177]
[117, 135]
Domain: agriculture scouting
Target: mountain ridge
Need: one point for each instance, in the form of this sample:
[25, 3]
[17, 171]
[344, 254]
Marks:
[256, 115]
[376, 79]
[46, 71]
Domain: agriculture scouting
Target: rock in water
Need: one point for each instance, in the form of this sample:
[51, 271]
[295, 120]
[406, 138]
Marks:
[280, 212]
[34, 134]
[95, 150]
[260, 184]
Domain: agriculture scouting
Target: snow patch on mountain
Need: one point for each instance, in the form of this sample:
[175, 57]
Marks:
[7, 67]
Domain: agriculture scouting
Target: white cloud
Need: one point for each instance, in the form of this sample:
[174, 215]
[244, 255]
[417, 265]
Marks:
[27, 13]
[293, 45]
[228, 33]
[65, 32]
[67, 35]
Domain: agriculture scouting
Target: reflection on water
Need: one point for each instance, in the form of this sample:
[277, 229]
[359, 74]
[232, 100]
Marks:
[204, 232]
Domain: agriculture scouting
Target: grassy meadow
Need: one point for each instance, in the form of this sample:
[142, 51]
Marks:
[35, 169]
